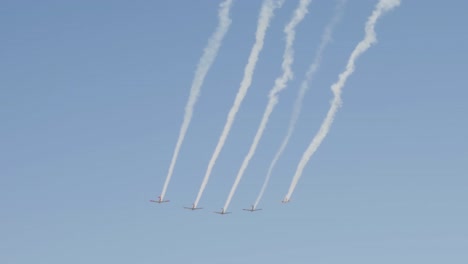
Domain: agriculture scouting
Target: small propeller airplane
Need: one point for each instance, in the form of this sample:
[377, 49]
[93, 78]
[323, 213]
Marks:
[193, 207]
[222, 212]
[160, 200]
[285, 200]
[252, 209]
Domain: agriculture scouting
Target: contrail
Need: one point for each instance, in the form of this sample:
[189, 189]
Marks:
[325, 40]
[369, 39]
[266, 13]
[209, 55]
[280, 84]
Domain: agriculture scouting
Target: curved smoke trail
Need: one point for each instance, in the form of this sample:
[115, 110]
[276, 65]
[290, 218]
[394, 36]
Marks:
[266, 13]
[325, 40]
[280, 84]
[369, 39]
[209, 54]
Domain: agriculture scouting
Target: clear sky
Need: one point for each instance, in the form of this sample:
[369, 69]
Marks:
[92, 95]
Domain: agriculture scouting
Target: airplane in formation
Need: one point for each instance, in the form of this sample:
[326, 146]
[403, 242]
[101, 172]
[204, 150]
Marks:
[252, 209]
[222, 212]
[160, 200]
[193, 207]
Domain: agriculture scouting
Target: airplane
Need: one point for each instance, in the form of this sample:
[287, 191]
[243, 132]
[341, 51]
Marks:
[193, 207]
[160, 200]
[252, 209]
[222, 212]
[285, 200]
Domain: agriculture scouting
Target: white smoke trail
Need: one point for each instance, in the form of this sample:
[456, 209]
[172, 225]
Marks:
[280, 84]
[209, 55]
[266, 13]
[325, 40]
[369, 39]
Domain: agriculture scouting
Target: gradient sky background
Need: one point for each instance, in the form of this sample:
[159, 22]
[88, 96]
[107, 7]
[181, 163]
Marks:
[92, 95]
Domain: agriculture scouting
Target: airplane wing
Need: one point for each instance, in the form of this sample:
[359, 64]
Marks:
[154, 201]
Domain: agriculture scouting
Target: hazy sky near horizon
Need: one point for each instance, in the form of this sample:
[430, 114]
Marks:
[92, 95]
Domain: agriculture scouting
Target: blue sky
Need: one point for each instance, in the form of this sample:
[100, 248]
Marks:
[92, 96]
